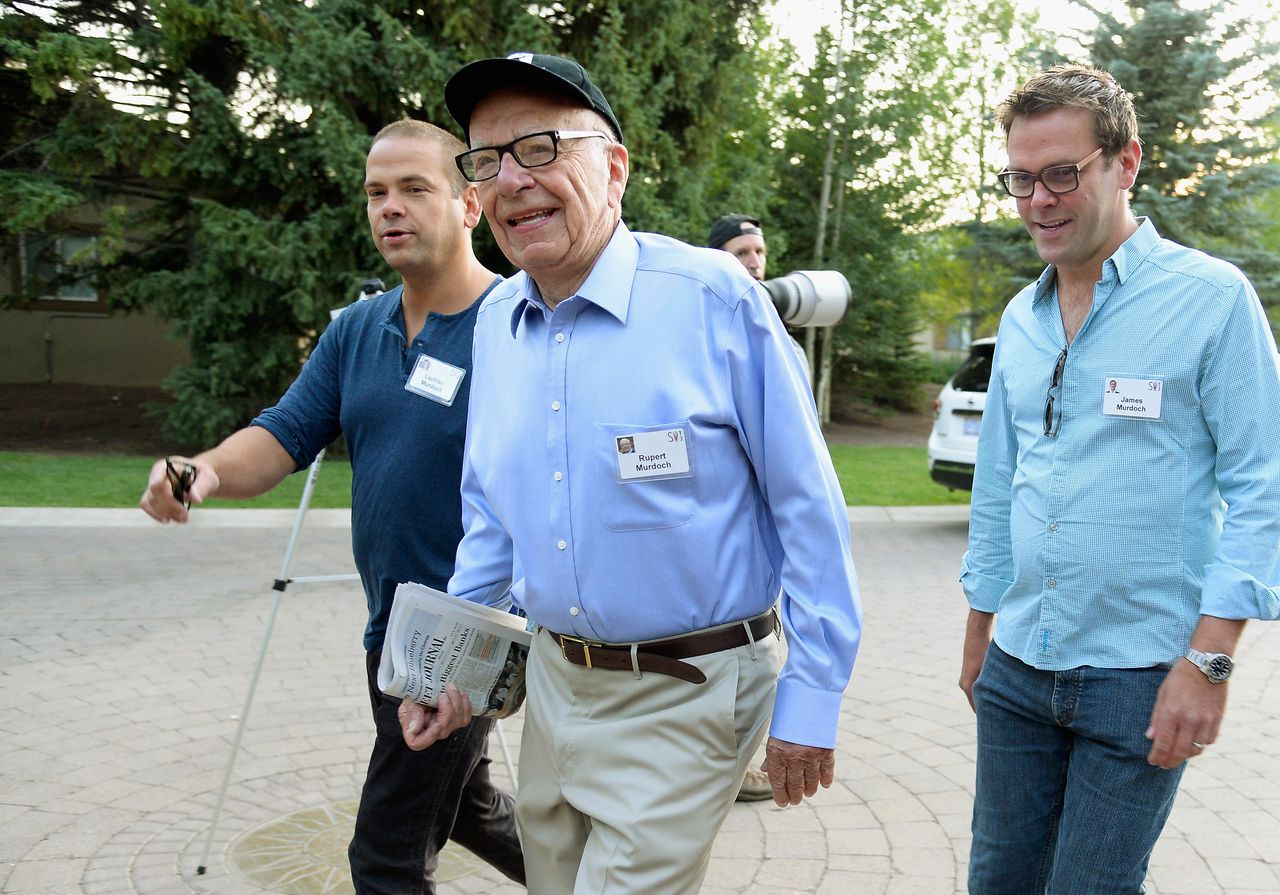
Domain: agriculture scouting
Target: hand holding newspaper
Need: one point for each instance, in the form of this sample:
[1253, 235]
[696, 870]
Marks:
[434, 639]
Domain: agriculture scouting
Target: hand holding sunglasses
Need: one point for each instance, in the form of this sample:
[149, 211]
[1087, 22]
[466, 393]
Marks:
[182, 475]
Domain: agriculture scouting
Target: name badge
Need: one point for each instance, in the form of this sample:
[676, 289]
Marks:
[1137, 399]
[435, 379]
[652, 455]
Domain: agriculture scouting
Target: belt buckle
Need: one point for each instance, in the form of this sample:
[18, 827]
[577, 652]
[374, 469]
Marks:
[586, 647]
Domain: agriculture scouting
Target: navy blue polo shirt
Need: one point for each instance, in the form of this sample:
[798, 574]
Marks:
[406, 449]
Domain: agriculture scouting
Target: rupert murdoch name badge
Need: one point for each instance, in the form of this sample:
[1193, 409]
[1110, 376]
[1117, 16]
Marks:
[435, 379]
[652, 455]
[1137, 399]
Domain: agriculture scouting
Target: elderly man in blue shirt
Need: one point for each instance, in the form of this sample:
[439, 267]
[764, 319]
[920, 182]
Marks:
[1133, 396]
[650, 572]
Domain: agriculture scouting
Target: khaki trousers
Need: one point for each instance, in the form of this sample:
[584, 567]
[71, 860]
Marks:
[625, 782]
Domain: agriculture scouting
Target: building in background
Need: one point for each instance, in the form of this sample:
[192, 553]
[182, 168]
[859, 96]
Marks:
[66, 334]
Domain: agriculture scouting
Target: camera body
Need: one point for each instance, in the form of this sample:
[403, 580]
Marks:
[810, 297]
[368, 289]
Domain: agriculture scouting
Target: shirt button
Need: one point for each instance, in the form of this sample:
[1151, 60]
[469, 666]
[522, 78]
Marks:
[559, 337]
[573, 610]
[1053, 526]
[1051, 583]
[559, 476]
[555, 405]
[562, 544]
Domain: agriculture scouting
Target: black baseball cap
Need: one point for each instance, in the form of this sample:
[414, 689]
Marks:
[731, 225]
[474, 82]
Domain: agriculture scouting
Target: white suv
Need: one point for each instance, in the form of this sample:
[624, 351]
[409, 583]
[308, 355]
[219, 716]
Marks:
[957, 415]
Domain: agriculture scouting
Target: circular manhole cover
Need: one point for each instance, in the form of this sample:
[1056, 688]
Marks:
[305, 853]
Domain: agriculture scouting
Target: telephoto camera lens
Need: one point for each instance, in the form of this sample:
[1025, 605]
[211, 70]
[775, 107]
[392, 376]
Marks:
[810, 297]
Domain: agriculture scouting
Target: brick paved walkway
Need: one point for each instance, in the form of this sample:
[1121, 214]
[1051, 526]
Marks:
[126, 648]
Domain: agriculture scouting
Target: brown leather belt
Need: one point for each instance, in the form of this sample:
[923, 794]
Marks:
[663, 656]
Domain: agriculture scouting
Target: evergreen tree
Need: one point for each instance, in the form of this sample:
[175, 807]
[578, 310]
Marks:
[221, 144]
[968, 271]
[862, 118]
[1204, 87]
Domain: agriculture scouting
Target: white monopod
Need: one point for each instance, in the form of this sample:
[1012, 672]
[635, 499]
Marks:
[368, 290]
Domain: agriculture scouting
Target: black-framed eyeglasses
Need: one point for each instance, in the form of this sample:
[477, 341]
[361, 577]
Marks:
[181, 478]
[529, 151]
[1051, 423]
[1058, 179]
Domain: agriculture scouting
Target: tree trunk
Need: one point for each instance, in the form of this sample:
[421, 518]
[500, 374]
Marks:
[820, 369]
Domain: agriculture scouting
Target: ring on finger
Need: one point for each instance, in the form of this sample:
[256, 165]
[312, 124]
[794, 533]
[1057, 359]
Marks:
[1197, 746]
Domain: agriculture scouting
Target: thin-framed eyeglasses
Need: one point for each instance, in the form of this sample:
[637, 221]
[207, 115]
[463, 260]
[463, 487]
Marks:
[529, 151]
[181, 478]
[1053, 423]
[1059, 179]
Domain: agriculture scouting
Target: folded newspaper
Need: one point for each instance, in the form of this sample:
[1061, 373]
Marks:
[434, 639]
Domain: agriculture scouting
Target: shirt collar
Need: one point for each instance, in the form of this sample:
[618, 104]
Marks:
[1134, 250]
[393, 320]
[1128, 258]
[608, 286]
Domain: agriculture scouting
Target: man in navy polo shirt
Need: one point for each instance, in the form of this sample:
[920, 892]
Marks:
[367, 379]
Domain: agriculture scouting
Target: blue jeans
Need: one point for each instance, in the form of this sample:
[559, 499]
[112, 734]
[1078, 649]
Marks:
[1066, 803]
[414, 802]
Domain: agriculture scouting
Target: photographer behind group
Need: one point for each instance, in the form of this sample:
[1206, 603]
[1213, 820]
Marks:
[742, 238]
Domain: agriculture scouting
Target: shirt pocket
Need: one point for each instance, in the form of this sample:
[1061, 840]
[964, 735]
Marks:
[641, 504]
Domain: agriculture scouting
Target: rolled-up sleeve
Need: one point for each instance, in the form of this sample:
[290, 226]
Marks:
[306, 418]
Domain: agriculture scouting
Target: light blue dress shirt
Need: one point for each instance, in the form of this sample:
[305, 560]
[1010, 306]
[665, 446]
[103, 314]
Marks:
[661, 336]
[1104, 545]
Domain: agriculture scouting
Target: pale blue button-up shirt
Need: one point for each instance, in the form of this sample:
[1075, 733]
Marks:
[1104, 545]
[661, 336]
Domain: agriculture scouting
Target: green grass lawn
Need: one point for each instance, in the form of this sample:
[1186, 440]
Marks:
[40, 480]
[869, 476]
[889, 477]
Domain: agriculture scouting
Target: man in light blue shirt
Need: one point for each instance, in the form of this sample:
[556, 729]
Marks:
[644, 471]
[1133, 395]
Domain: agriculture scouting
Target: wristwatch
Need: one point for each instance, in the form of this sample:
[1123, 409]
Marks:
[1217, 667]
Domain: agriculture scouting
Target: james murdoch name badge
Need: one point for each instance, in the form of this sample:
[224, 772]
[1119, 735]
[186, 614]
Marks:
[652, 455]
[1136, 399]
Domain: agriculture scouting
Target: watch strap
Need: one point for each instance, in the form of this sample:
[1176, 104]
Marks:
[1205, 662]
